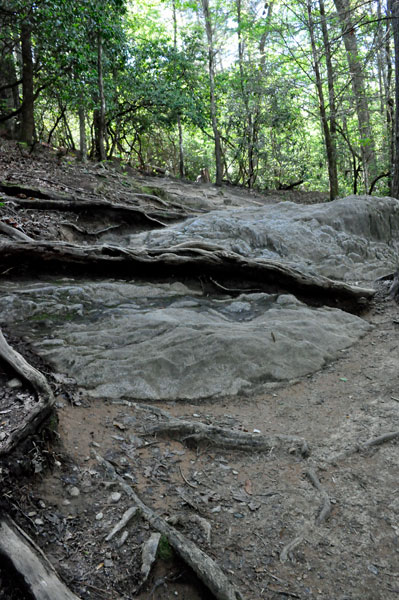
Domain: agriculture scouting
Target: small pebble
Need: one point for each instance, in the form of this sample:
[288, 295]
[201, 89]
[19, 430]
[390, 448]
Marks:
[66, 502]
[108, 563]
[74, 492]
[115, 497]
[14, 383]
[99, 516]
[39, 522]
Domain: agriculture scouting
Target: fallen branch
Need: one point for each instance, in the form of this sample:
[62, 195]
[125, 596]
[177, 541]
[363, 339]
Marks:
[326, 506]
[194, 259]
[30, 562]
[205, 568]
[196, 432]
[45, 398]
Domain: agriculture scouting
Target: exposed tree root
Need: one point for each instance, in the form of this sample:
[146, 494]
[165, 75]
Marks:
[29, 561]
[205, 568]
[326, 506]
[14, 233]
[39, 199]
[185, 259]
[323, 515]
[285, 554]
[45, 399]
[196, 432]
[377, 441]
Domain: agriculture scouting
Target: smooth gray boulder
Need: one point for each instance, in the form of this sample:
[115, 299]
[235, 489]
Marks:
[350, 239]
[150, 342]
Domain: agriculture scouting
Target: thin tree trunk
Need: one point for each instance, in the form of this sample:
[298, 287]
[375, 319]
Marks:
[82, 133]
[359, 91]
[334, 185]
[179, 125]
[254, 124]
[9, 100]
[394, 11]
[27, 134]
[389, 103]
[332, 165]
[213, 103]
[99, 116]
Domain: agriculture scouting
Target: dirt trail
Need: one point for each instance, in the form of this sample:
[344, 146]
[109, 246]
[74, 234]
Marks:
[255, 513]
[255, 503]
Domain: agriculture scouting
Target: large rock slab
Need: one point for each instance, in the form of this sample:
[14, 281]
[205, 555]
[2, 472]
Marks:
[150, 342]
[351, 239]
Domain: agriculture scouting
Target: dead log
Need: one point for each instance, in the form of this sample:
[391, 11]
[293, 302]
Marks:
[204, 566]
[42, 407]
[184, 260]
[30, 562]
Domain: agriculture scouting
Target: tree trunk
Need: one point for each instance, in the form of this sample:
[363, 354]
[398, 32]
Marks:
[9, 99]
[82, 133]
[394, 11]
[27, 134]
[213, 103]
[359, 91]
[179, 125]
[99, 112]
[334, 186]
[331, 157]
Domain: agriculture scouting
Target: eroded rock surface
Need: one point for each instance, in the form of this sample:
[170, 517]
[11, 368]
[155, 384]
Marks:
[142, 341]
[351, 239]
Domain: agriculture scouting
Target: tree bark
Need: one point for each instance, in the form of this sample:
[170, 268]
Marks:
[99, 112]
[331, 156]
[9, 98]
[333, 172]
[394, 11]
[359, 91]
[28, 120]
[82, 133]
[213, 102]
[179, 125]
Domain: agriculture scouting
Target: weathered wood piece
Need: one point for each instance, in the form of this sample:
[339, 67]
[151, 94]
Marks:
[31, 563]
[204, 566]
[184, 259]
[45, 399]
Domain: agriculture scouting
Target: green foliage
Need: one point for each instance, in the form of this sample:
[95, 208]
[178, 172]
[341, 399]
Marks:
[156, 82]
[165, 551]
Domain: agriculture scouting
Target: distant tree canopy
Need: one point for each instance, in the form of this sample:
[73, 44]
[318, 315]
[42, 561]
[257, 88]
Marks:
[263, 95]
